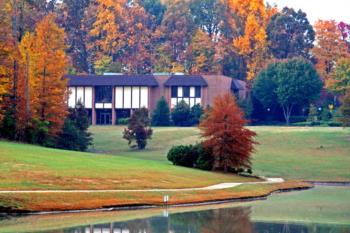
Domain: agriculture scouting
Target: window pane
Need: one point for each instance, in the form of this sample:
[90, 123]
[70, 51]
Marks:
[103, 94]
[198, 92]
[174, 92]
[186, 91]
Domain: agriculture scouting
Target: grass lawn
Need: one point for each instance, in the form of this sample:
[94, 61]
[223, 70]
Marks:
[31, 167]
[316, 153]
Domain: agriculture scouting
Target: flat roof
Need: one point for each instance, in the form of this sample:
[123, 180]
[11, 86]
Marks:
[112, 80]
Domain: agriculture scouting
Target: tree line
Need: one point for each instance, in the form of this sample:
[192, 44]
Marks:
[42, 40]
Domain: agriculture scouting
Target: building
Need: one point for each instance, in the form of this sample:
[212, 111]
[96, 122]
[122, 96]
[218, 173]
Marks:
[108, 97]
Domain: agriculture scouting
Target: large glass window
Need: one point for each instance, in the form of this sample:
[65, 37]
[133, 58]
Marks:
[103, 94]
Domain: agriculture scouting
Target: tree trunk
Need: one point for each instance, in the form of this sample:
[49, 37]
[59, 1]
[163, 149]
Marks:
[287, 111]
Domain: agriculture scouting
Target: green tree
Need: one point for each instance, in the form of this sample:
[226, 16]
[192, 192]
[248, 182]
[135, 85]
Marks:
[181, 114]
[138, 129]
[196, 113]
[75, 135]
[345, 110]
[292, 83]
[290, 34]
[161, 115]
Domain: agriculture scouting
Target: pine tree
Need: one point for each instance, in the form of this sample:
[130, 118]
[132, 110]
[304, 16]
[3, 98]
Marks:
[223, 129]
[161, 114]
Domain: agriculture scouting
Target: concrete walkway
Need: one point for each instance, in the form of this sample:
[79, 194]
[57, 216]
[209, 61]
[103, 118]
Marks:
[213, 187]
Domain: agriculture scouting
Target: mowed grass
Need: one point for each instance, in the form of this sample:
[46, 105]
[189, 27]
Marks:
[26, 167]
[316, 153]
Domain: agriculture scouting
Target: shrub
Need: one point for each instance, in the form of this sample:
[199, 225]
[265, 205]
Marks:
[161, 115]
[138, 129]
[345, 110]
[123, 121]
[334, 124]
[191, 156]
[183, 155]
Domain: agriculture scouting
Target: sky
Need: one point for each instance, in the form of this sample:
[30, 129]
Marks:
[319, 9]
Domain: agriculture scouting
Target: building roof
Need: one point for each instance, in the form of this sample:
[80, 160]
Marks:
[237, 85]
[186, 80]
[112, 80]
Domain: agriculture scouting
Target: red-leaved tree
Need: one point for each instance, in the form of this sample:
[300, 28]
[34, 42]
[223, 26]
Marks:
[223, 129]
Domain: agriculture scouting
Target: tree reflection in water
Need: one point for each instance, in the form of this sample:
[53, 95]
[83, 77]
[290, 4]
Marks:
[229, 220]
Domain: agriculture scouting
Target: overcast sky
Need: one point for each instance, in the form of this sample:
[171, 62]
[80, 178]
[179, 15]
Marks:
[319, 9]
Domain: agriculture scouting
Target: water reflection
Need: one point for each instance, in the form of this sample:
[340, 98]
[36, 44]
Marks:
[229, 220]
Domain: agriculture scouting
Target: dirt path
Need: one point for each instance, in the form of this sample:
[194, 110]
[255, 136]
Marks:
[213, 187]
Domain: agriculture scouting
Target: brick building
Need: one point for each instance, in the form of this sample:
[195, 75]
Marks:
[108, 97]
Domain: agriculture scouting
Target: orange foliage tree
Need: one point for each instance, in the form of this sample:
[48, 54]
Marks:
[252, 44]
[7, 53]
[329, 49]
[224, 132]
[45, 64]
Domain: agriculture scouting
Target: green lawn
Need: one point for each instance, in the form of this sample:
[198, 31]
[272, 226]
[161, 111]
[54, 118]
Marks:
[317, 153]
[31, 167]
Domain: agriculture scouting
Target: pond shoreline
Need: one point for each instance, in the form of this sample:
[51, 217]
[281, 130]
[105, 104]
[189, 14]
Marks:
[210, 201]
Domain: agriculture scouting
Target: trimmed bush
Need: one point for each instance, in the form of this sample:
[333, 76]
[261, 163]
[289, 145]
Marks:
[191, 156]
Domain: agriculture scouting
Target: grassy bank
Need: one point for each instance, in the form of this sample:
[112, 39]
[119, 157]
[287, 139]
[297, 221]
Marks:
[316, 153]
[30, 167]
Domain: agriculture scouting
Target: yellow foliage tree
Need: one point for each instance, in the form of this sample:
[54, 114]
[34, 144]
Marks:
[254, 16]
[45, 64]
[329, 49]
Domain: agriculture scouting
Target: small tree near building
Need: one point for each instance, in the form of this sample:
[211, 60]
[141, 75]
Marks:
[345, 110]
[291, 83]
[225, 135]
[138, 129]
[161, 115]
[75, 135]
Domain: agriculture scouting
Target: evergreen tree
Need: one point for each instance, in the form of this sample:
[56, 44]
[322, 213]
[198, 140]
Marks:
[161, 115]
[196, 113]
[181, 114]
[138, 129]
[75, 135]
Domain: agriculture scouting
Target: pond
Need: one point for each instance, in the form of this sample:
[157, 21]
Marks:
[322, 209]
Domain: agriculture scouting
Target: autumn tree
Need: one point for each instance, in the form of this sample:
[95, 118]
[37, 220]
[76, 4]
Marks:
[289, 84]
[74, 11]
[138, 129]
[136, 55]
[252, 43]
[105, 34]
[49, 64]
[329, 49]
[7, 53]
[290, 34]
[174, 35]
[201, 54]
[224, 133]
